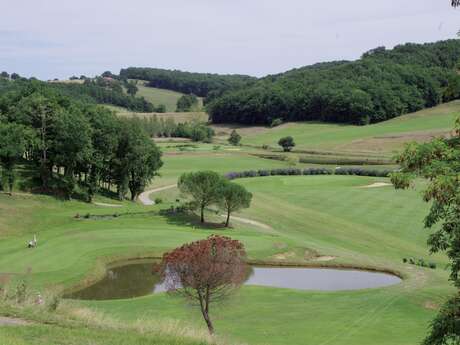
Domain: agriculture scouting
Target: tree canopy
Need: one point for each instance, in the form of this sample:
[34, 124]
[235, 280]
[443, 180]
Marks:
[74, 146]
[200, 84]
[205, 271]
[381, 85]
[439, 162]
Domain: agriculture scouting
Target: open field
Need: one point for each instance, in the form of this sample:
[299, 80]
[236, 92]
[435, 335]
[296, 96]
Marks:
[177, 117]
[160, 96]
[380, 139]
[326, 215]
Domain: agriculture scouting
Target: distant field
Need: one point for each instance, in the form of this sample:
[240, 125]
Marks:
[378, 139]
[160, 96]
[177, 117]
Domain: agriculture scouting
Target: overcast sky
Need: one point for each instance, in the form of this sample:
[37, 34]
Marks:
[59, 38]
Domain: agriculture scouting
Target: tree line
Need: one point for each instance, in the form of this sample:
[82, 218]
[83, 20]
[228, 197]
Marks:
[381, 85]
[157, 127]
[201, 84]
[101, 90]
[72, 146]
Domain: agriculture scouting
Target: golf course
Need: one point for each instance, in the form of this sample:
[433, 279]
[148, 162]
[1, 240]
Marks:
[329, 221]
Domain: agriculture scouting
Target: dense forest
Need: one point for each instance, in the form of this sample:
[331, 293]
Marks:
[107, 91]
[200, 84]
[381, 85]
[71, 147]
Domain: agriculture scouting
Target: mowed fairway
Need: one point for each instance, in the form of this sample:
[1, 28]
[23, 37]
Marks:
[381, 138]
[329, 215]
[334, 216]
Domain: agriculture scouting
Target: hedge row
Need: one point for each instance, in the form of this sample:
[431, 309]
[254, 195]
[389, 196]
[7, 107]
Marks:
[308, 171]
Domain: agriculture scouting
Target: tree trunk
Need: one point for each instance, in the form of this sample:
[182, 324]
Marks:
[204, 304]
[227, 223]
[202, 214]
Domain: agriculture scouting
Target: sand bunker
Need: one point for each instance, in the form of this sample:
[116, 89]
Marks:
[377, 185]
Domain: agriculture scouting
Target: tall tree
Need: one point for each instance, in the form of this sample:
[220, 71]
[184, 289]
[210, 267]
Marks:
[287, 143]
[234, 138]
[439, 163]
[12, 147]
[205, 271]
[203, 186]
[233, 197]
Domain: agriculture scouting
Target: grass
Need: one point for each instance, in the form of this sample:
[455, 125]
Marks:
[328, 215]
[177, 117]
[331, 215]
[380, 139]
[161, 96]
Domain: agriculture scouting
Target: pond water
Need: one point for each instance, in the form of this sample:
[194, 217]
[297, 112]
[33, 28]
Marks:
[136, 279]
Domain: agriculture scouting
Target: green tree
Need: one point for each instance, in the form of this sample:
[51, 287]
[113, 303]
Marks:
[235, 138]
[72, 145]
[15, 76]
[131, 88]
[287, 143]
[203, 186]
[12, 147]
[4, 75]
[439, 163]
[233, 197]
[187, 103]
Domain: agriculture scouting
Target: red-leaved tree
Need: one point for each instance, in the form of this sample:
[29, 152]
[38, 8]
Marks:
[205, 271]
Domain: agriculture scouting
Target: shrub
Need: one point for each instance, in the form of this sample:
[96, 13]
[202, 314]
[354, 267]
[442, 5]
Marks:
[53, 303]
[158, 200]
[264, 172]
[87, 216]
[432, 265]
[276, 122]
[404, 260]
[265, 147]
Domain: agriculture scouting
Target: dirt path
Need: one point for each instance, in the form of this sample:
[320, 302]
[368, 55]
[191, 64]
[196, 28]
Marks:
[9, 321]
[106, 205]
[144, 198]
[250, 222]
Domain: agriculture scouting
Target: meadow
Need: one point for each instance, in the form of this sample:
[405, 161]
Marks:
[160, 96]
[381, 139]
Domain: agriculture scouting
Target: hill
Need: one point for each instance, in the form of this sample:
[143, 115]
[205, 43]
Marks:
[200, 84]
[381, 85]
[160, 96]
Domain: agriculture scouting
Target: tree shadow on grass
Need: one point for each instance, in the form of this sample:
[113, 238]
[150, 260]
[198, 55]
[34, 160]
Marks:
[190, 219]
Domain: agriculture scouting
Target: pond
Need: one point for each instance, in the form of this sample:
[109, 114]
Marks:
[135, 279]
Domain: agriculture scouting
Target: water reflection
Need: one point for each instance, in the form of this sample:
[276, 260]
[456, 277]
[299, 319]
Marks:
[137, 279]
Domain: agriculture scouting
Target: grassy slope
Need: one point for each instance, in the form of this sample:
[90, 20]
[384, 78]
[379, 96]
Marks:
[329, 214]
[383, 137]
[160, 96]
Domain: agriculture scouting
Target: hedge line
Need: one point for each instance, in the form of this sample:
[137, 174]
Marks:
[308, 171]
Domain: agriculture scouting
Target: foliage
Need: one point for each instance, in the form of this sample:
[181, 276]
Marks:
[287, 143]
[234, 138]
[187, 103]
[381, 85]
[200, 84]
[445, 328]
[74, 144]
[203, 186]
[308, 171]
[205, 271]
[439, 162]
[158, 127]
[13, 141]
[234, 197]
[100, 90]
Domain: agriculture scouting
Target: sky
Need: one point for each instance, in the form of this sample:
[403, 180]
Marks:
[60, 38]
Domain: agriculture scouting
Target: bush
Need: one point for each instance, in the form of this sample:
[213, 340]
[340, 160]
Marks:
[432, 265]
[317, 171]
[362, 172]
[276, 122]
[404, 260]
[158, 200]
